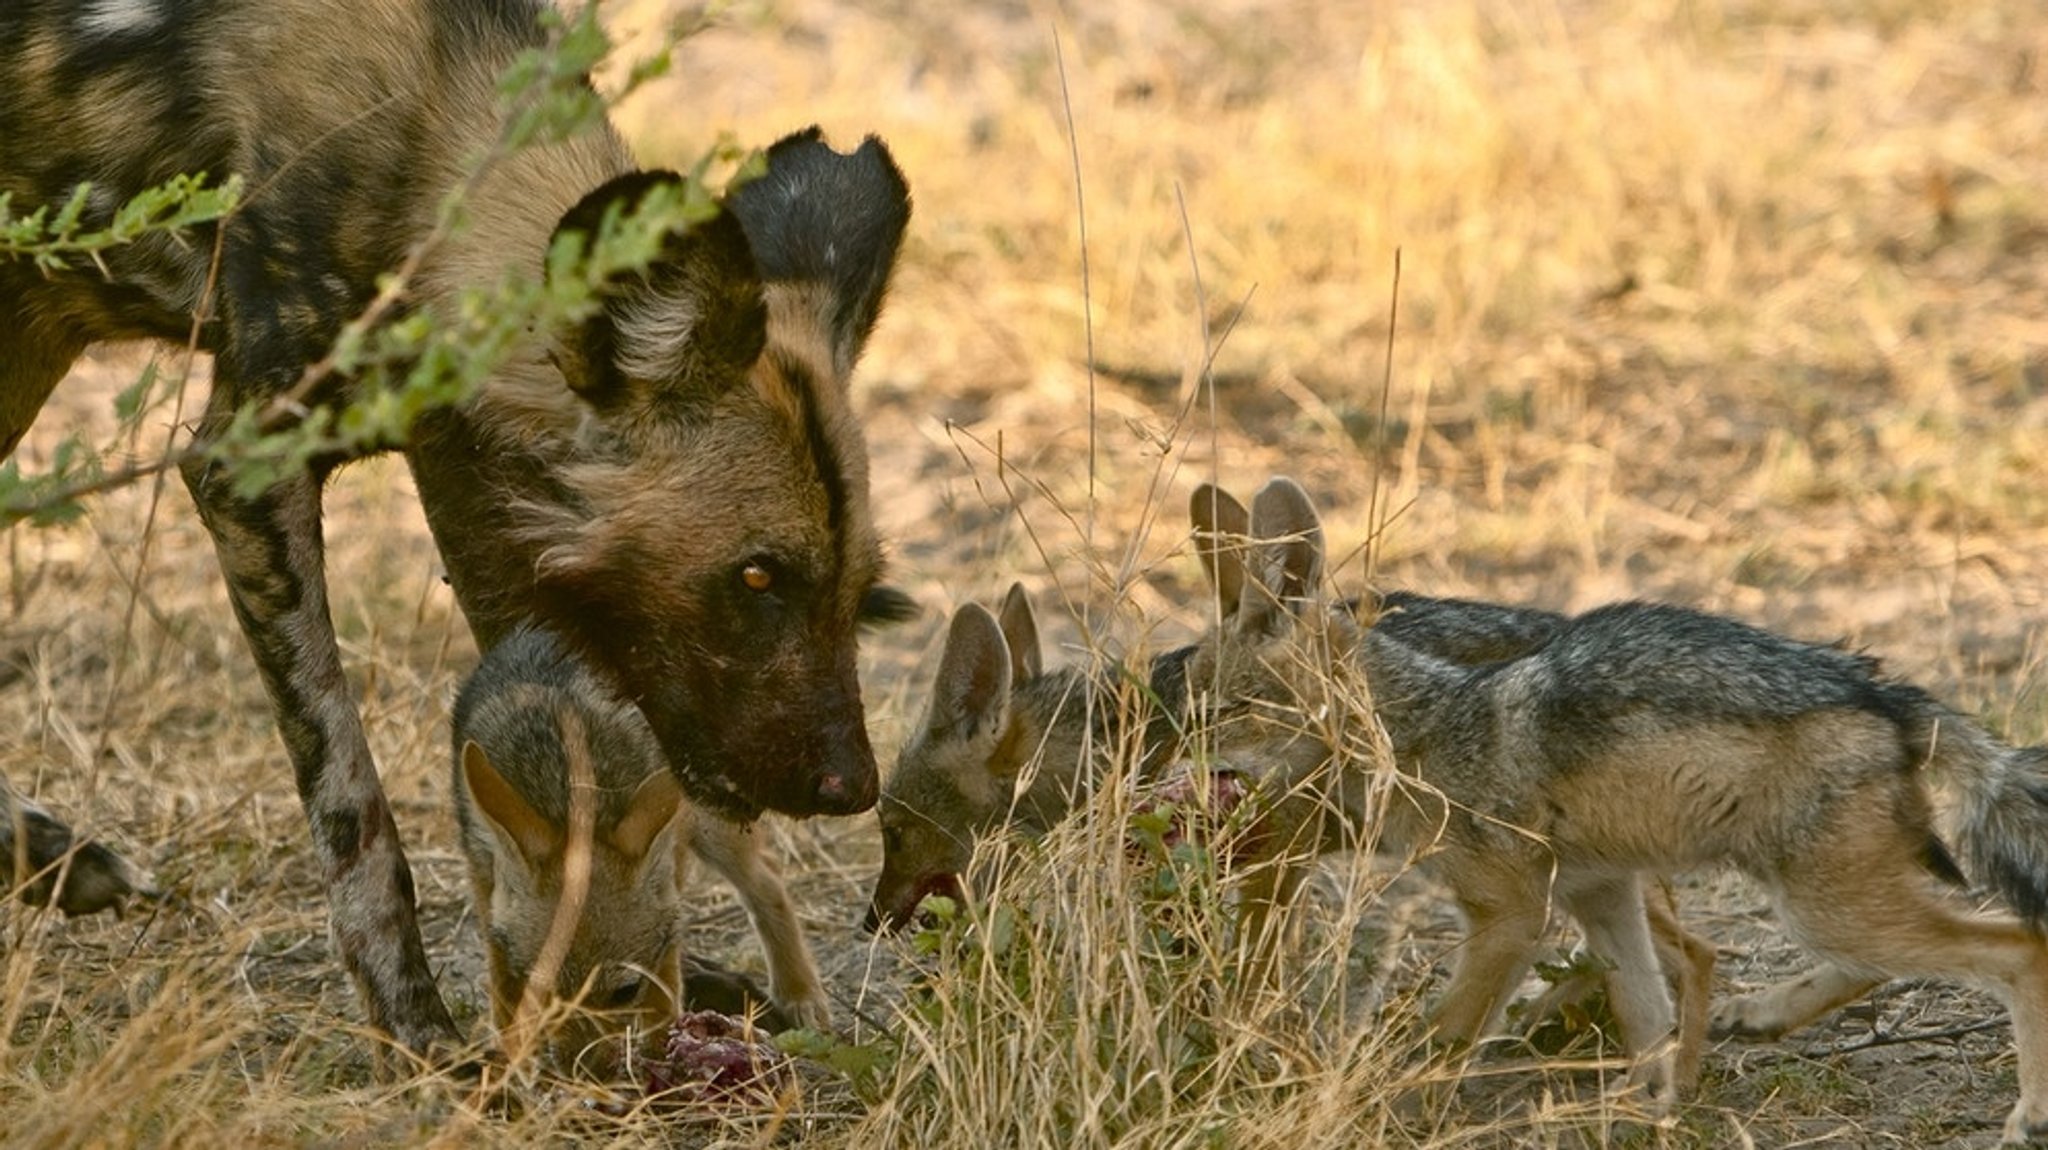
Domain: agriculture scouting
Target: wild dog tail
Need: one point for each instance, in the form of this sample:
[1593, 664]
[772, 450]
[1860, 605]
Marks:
[1998, 796]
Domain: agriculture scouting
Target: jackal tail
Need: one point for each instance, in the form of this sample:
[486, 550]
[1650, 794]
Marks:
[1999, 800]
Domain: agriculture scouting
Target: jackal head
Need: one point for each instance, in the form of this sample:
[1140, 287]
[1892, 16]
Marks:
[957, 775]
[1272, 679]
[621, 968]
[712, 549]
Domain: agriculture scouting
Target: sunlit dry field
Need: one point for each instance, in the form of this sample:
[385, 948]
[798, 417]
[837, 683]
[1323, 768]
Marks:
[1739, 305]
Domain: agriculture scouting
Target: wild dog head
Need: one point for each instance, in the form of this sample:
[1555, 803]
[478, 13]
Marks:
[1270, 681]
[713, 549]
[536, 735]
[957, 776]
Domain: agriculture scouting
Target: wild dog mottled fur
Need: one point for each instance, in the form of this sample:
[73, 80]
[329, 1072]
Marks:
[1640, 739]
[526, 724]
[677, 486]
[37, 849]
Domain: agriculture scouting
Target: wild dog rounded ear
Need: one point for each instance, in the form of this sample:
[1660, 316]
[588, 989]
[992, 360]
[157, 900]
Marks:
[683, 328]
[828, 224]
[883, 606]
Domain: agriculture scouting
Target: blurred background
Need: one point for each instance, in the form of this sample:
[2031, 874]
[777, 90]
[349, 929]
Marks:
[1740, 304]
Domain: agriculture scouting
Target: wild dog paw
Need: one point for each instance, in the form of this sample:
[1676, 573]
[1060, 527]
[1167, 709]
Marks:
[95, 878]
[808, 1010]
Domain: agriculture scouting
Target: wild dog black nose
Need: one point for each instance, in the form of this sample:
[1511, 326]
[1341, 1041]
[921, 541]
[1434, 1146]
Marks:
[844, 790]
[846, 781]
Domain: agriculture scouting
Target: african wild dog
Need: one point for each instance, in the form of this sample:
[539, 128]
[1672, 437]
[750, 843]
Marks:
[530, 726]
[35, 846]
[677, 486]
[1640, 739]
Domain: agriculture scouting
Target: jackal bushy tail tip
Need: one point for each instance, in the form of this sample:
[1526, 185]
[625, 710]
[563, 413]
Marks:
[2000, 819]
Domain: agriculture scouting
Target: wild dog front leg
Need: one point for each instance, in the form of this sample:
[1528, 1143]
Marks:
[734, 852]
[272, 555]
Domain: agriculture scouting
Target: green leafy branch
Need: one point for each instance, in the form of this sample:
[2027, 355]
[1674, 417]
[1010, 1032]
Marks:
[53, 240]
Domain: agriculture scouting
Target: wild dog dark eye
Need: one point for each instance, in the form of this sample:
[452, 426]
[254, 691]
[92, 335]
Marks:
[757, 577]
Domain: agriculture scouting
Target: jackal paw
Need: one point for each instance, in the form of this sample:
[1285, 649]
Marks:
[2027, 1125]
[1650, 1087]
[1754, 1016]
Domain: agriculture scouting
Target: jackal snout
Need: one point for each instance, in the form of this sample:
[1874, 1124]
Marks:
[957, 774]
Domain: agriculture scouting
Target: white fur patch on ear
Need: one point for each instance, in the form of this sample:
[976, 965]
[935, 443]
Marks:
[654, 327]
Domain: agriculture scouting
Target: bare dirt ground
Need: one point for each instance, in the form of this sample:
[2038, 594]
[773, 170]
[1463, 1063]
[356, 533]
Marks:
[1737, 305]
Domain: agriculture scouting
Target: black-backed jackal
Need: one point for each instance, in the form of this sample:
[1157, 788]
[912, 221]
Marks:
[996, 712]
[533, 728]
[1640, 739]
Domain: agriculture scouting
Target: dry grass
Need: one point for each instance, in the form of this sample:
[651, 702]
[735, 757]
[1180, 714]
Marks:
[1739, 304]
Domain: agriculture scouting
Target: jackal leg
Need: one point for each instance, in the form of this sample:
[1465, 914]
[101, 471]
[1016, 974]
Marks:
[1618, 931]
[1688, 963]
[271, 552]
[1506, 905]
[1263, 900]
[734, 851]
[1861, 896]
[1792, 1003]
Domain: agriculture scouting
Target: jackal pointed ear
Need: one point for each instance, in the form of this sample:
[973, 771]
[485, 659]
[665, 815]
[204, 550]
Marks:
[517, 825]
[825, 226]
[971, 696]
[651, 811]
[1221, 525]
[1020, 632]
[1286, 559]
[681, 330]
